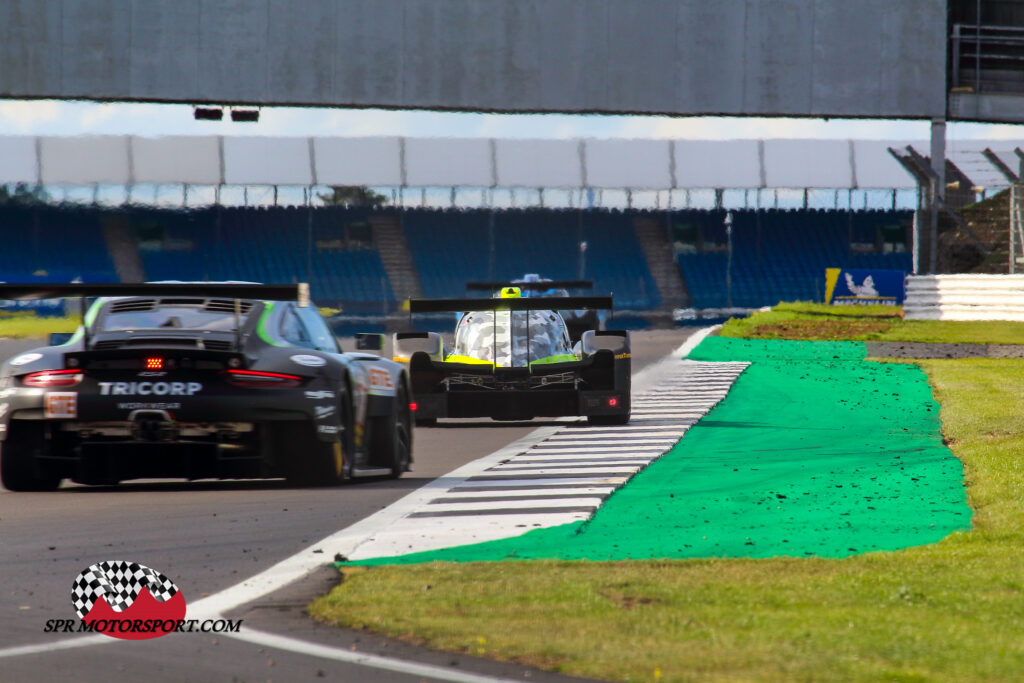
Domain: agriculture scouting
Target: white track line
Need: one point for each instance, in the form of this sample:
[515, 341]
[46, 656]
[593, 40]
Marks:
[638, 433]
[515, 495]
[581, 471]
[513, 503]
[373, 661]
[66, 644]
[601, 442]
[527, 483]
[593, 450]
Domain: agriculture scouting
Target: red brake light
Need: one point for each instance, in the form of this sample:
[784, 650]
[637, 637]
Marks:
[53, 378]
[412, 407]
[612, 402]
[257, 379]
[154, 363]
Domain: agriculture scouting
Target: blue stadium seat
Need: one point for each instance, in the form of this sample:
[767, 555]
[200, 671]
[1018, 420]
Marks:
[53, 244]
[781, 255]
[453, 247]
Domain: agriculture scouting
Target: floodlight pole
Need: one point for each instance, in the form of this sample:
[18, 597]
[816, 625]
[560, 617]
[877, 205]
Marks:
[491, 256]
[938, 193]
[728, 263]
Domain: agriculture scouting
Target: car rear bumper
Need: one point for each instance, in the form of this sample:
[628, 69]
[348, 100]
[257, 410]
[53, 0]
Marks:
[111, 461]
[521, 405]
[99, 439]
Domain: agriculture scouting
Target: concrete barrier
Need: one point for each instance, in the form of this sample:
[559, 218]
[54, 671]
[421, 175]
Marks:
[964, 297]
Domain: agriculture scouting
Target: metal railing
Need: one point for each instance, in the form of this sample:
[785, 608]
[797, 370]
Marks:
[987, 58]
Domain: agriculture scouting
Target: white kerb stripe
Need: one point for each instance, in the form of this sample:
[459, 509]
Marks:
[339, 655]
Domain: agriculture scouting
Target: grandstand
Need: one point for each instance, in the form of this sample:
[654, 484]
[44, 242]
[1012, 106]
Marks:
[776, 254]
[451, 247]
[370, 222]
[782, 255]
[53, 244]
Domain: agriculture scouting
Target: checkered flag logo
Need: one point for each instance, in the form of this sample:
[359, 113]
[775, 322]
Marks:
[119, 583]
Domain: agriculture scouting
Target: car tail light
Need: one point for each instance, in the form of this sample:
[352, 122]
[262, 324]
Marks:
[413, 407]
[53, 378]
[255, 379]
[154, 363]
[613, 401]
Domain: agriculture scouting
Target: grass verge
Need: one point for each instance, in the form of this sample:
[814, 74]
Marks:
[953, 610]
[820, 322]
[27, 326]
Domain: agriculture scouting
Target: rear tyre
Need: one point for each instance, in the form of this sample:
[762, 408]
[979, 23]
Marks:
[392, 438]
[18, 467]
[318, 463]
[312, 462]
[608, 419]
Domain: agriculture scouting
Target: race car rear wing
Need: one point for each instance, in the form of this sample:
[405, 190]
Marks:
[227, 290]
[539, 286]
[548, 303]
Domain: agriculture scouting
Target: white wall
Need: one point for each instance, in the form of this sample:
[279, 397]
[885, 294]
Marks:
[176, 159]
[18, 160]
[445, 162]
[267, 161]
[713, 163]
[358, 161]
[84, 160]
[538, 163]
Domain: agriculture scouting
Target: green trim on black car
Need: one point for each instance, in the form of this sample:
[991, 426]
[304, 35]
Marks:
[261, 326]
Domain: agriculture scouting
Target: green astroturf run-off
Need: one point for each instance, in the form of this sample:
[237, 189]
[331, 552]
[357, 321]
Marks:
[815, 452]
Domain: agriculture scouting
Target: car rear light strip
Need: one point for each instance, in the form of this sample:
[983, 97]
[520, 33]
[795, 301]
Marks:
[257, 379]
[53, 378]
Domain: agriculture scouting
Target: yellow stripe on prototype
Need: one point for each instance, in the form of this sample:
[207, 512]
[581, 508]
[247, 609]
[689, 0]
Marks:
[467, 360]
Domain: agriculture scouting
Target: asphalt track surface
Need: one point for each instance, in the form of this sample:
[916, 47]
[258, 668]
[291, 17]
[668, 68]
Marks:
[209, 535]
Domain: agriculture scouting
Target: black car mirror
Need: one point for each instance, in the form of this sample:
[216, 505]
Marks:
[368, 341]
[60, 338]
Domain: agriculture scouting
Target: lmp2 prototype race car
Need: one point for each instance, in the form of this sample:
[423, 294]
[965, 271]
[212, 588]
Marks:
[533, 285]
[198, 380]
[512, 360]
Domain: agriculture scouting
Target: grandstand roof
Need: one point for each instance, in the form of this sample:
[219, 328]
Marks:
[638, 164]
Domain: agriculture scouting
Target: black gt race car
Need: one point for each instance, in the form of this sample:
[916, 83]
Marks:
[198, 380]
[513, 360]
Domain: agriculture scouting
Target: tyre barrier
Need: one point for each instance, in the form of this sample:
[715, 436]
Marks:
[964, 297]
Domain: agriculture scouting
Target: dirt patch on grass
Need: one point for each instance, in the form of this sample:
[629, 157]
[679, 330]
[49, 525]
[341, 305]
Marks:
[820, 329]
[628, 602]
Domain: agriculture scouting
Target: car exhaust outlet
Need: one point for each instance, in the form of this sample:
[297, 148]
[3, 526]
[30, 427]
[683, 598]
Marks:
[152, 425]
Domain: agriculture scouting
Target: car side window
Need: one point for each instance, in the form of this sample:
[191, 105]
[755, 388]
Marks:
[320, 333]
[293, 331]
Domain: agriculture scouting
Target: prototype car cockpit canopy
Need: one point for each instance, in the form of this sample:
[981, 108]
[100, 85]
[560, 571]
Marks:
[512, 338]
